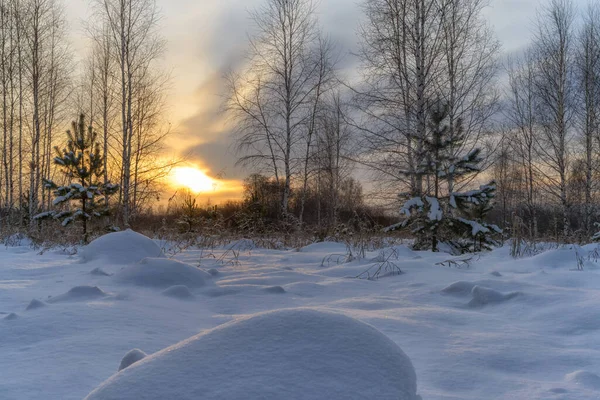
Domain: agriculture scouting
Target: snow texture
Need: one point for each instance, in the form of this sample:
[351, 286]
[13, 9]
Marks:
[162, 273]
[178, 292]
[584, 378]
[11, 316]
[459, 288]
[483, 296]
[35, 304]
[131, 357]
[124, 247]
[79, 293]
[539, 341]
[99, 272]
[288, 354]
[274, 290]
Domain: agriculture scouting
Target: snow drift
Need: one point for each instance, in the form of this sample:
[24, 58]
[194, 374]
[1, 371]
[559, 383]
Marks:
[35, 304]
[79, 293]
[288, 354]
[181, 292]
[162, 273]
[483, 296]
[124, 247]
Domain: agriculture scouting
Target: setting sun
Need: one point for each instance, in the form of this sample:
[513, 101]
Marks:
[193, 179]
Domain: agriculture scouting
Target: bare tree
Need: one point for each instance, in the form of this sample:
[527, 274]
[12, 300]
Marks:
[400, 61]
[521, 112]
[469, 59]
[554, 47]
[136, 45]
[588, 82]
[272, 100]
[47, 63]
[334, 149]
[324, 81]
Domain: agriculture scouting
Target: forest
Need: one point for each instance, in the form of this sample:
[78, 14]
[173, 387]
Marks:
[437, 134]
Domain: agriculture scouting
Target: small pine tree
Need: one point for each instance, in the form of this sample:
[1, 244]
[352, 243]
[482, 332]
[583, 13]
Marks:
[81, 162]
[455, 218]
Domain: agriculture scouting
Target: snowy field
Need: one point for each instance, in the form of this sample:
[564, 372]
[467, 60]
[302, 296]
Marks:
[500, 329]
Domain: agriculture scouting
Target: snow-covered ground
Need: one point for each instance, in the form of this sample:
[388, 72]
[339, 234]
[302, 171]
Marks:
[500, 329]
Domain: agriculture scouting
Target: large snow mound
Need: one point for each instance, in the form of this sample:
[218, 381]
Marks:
[124, 247]
[287, 354]
[162, 273]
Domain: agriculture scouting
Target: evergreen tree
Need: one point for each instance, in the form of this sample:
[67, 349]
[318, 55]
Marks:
[82, 164]
[455, 218]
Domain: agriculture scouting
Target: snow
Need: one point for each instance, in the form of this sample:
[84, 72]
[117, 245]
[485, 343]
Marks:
[459, 288]
[413, 202]
[435, 211]
[483, 296]
[162, 272]
[79, 293]
[35, 304]
[121, 248]
[99, 272]
[503, 328]
[178, 292]
[291, 354]
[476, 227]
[131, 358]
[585, 378]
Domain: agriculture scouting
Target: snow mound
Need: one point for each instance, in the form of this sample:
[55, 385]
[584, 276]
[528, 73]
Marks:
[483, 296]
[162, 273]
[274, 290]
[99, 272]
[35, 304]
[563, 257]
[288, 354]
[124, 247]
[178, 292]
[459, 288]
[131, 357]
[79, 293]
[11, 316]
[584, 378]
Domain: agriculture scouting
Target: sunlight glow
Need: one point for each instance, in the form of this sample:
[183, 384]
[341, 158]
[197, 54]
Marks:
[194, 179]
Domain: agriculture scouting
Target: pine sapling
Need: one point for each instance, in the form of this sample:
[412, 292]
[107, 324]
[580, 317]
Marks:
[85, 195]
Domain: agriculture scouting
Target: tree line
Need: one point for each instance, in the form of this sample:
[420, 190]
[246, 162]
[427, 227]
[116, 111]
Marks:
[531, 117]
[117, 84]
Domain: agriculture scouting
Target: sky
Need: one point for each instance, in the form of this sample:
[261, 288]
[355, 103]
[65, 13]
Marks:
[207, 36]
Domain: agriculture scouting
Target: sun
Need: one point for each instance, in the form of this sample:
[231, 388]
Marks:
[194, 179]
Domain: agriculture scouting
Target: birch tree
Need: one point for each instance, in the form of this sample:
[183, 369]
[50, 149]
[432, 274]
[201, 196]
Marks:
[136, 45]
[588, 82]
[554, 48]
[272, 99]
